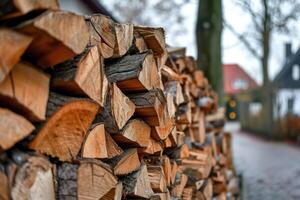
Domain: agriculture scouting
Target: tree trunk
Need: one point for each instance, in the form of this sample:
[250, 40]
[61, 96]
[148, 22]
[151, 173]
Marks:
[208, 34]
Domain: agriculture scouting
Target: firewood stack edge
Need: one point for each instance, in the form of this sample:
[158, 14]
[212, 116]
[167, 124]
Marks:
[94, 109]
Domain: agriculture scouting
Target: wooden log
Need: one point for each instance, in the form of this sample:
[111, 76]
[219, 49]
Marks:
[179, 153]
[83, 75]
[58, 36]
[14, 8]
[184, 114]
[19, 92]
[199, 78]
[157, 178]
[66, 178]
[163, 131]
[34, 180]
[13, 128]
[126, 163]
[174, 171]
[94, 180]
[13, 45]
[187, 193]
[166, 164]
[140, 43]
[124, 39]
[131, 134]
[137, 184]
[151, 106]
[153, 148]
[4, 186]
[161, 196]
[174, 88]
[171, 106]
[154, 38]
[115, 193]
[178, 189]
[99, 144]
[133, 73]
[102, 33]
[63, 133]
[117, 111]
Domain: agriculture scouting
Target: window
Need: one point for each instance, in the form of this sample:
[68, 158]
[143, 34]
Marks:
[240, 84]
[296, 72]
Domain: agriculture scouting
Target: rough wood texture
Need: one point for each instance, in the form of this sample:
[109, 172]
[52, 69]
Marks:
[13, 128]
[174, 88]
[34, 180]
[114, 193]
[178, 189]
[151, 106]
[157, 178]
[83, 75]
[66, 177]
[153, 147]
[136, 133]
[62, 135]
[154, 38]
[94, 180]
[124, 39]
[19, 91]
[4, 186]
[137, 184]
[117, 111]
[163, 131]
[58, 36]
[13, 45]
[99, 144]
[133, 73]
[102, 33]
[126, 163]
[180, 152]
[13, 8]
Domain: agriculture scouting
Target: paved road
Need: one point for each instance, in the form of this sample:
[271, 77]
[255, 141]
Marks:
[271, 170]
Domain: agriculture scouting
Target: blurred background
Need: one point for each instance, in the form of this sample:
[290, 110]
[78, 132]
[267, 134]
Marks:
[249, 50]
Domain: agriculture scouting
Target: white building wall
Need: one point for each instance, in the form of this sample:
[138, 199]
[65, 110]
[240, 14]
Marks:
[281, 102]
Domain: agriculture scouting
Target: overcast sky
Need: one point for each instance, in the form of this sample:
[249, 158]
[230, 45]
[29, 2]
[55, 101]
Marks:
[233, 49]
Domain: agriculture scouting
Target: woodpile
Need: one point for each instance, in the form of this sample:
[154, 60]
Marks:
[94, 109]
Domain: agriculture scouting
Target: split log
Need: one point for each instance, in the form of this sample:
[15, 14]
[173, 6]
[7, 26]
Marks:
[157, 178]
[114, 193]
[171, 106]
[151, 106]
[137, 184]
[126, 163]
[14, 8]
[63, 133]
[174, 171]
[184, 114]
[117, 111]
[94, 180]
[13, 128]
[179, 153]
[136, 133]
[140, 43]
[133, 73]
[153, 148]
[58, 36]
[187, 193]
[178, 189]
[174, 88]
[154, 38]
[4, 186]
[161, 196]
[99, 144]
[199, 78]
[66, 177]
[83, 75]
[102, 33]
[19, 92]
[124, 39]
[34, 180]
[166, 164]
[163, 131]
[13, 45]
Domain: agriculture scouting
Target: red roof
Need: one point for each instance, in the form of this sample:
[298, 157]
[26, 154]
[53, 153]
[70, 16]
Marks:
[236, 79]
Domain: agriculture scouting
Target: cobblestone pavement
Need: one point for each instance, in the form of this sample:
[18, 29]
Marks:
[271, 170]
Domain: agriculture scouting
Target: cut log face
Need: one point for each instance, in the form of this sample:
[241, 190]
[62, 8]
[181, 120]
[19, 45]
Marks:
[82, 76]
[99, 144]
[162, 132]
[133, 73]
[62, 135]
[13, 128]
[19, 91]
[153, 147]
[13, 45]
[178, 189]
[117, 111]
[166, 164]
[115, 193]
[102, 33]
[180, 152]
[4, 186]
[157, 178]
[34, 180]
[140, 43]
[137, 184]
[151, 106]
[136, 133]
[124, 39]
[94, 180]
[154, 38]
[21, 7]
[58, 36]
[126, 163]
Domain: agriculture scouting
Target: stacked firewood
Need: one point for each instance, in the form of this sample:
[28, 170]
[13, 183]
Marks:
[94, 109]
